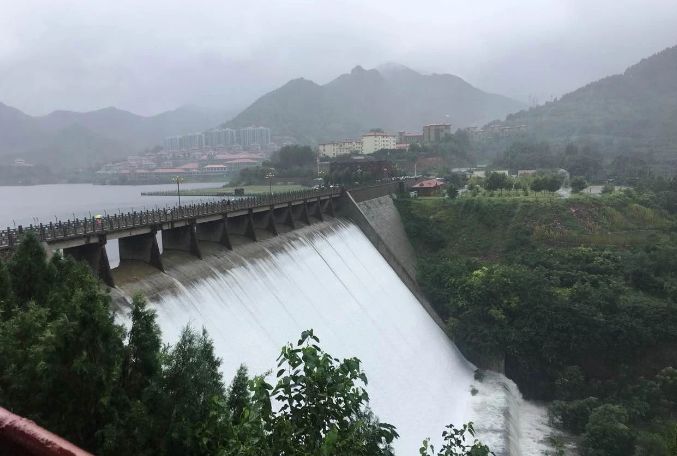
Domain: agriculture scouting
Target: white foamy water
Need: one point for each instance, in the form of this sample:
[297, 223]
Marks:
[335, 282]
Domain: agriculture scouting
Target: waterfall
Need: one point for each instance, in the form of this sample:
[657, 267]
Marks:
[330, 278]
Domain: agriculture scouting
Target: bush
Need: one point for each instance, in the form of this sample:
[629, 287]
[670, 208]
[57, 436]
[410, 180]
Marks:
[578, 184]
[547, 183]
[607, 432]
[573, 416]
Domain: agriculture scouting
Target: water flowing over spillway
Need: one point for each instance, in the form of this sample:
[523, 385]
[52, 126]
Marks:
[331, 279]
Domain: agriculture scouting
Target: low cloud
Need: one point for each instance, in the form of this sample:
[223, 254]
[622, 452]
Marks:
[151, 56]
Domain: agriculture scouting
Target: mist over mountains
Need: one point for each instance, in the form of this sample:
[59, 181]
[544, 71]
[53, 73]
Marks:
[636, 109]
[392, 97]
[78, 139]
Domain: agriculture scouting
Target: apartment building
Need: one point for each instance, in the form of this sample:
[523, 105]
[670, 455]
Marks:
[250, 136]
[339, 148]
[375, 141]
[435, 133]
[220, 137]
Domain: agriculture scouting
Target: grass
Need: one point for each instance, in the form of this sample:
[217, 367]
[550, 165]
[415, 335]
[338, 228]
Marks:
[489, 226]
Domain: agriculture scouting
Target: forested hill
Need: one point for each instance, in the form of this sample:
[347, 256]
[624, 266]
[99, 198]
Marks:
[576, 299]
[638, 107]
[392, 97]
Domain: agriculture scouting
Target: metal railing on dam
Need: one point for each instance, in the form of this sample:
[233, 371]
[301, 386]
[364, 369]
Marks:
[188, 228]
[82, 227]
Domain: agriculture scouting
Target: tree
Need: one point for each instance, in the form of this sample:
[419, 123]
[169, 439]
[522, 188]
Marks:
[29, 272]
[82, 351]
[6, 297]
[239, 398]
[454, 443]
[323, 406]
[452, 191]
[497, 181]
[142, 364]
[585, 162]
[607, 432]
[608, 189]
[573, 416]
[294, 156]
[458, 180]
[60, 360]
[193, 396]
[547, 183]
[578, 184]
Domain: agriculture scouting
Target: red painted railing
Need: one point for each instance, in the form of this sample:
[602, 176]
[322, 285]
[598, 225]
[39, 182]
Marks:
[20, 436]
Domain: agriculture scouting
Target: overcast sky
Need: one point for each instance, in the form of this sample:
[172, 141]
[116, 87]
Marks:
[147, 56]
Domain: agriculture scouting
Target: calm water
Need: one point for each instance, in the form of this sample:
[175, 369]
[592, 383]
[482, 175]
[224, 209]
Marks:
[42, 203]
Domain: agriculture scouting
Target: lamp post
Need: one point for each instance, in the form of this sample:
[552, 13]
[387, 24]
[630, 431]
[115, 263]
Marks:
[178, 180]
[269, 175]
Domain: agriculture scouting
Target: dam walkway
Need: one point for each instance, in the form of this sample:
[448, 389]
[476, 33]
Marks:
[184, 227]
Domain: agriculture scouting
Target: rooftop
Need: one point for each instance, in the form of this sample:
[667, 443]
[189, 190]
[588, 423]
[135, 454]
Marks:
[377, 133]
[430, 183]
[168, 170]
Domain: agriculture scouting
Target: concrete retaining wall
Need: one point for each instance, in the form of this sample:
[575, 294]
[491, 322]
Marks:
[385, 219]
[372, 226]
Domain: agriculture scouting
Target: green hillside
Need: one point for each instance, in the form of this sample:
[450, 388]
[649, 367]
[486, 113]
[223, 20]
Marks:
[635, 109]
[490, 227]
[574, 299]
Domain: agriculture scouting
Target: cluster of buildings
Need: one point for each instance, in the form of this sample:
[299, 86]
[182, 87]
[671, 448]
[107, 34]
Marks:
[160, 166]
[248, 138]
[379, 140]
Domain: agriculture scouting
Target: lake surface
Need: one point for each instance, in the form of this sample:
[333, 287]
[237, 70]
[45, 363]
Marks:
[23, 205]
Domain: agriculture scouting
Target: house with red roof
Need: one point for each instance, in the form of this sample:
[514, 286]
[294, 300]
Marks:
[429, 187]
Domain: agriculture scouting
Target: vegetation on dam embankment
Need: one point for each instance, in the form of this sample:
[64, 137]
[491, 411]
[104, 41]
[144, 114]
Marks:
[579, 296]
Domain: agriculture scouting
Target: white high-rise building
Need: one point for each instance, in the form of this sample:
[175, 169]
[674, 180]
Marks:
[192, 141]
[172, 144]
[250, 136]
[221, 137]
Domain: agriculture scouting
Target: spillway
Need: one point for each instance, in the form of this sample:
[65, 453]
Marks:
[330, 278]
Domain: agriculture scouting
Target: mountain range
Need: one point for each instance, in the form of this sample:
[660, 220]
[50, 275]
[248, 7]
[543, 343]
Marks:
[392, 97]
[79, 139]
[637, 108]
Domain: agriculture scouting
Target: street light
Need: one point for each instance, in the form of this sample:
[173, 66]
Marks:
[178, 180]
[269, 175]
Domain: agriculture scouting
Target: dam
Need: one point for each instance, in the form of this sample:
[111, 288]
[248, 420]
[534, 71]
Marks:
[337, 274]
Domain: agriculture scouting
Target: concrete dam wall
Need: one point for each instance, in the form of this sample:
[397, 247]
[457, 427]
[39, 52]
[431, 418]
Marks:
[380, 221]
